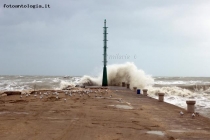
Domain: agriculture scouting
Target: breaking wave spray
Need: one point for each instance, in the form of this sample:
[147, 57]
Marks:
[118, 73]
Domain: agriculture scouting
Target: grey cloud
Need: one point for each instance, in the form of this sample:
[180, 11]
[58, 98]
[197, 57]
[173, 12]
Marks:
[67, 38]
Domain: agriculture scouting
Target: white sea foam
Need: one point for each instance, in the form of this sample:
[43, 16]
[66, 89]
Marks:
[208, 90]
[119, 73]
[170, 82]
[179, 96]
[169, 91]
[90, 81]
[35, 81]
[64, 84]
[180, 82]
[55, 80]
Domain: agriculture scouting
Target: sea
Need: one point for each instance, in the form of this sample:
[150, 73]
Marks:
[177, 89]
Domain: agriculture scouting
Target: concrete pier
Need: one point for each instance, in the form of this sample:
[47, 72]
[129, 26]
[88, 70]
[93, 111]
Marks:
[92, 118]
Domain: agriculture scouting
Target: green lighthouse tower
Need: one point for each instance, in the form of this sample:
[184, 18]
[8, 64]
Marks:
[104, 79]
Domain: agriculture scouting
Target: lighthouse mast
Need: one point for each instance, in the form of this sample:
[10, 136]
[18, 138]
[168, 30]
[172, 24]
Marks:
[104, 79]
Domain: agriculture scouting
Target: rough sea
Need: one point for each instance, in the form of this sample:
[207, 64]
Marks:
[177, 89]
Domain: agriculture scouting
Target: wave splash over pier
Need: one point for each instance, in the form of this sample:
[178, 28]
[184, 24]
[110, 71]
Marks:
[118, 73]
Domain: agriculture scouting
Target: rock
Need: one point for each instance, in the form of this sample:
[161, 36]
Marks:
[68, 87]
[3, 94]
[12, 93]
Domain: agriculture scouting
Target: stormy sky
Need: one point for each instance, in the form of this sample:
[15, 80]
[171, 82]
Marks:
[162, 37]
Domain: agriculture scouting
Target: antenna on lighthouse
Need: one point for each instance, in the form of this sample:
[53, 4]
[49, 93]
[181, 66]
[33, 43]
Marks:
[104, 79]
